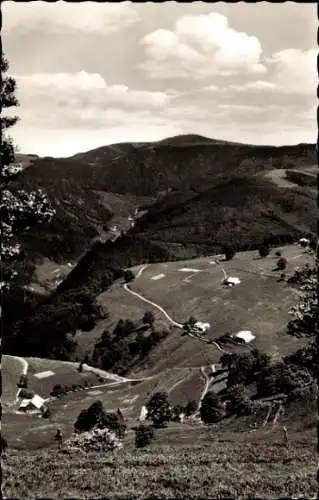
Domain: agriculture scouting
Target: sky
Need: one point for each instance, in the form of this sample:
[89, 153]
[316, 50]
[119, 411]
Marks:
[92, 74]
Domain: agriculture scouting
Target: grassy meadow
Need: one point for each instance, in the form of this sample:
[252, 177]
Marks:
[211, 466]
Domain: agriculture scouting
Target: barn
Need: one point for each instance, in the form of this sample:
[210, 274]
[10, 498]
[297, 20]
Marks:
[201, 327]
[244, 336]
[231, 281]
[32, 405]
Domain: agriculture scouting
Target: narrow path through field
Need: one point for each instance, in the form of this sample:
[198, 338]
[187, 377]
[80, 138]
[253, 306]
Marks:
[179, 325]
[24, 363]
[141, 270]
[176, 384]
[112, 376]
[25, 366]
[208, 381]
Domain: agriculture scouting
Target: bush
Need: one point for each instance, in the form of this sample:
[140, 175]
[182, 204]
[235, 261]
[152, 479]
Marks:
[281, 264]
[227, 359]
[95, 416]
[144, 434]
[87, 419]
[278, 253]
[26, 394]
[264, 250]
[190, 408]
[211, 409]
[229, 252]
[128, 276]
[114, 422]
[148, 318]
[58, 390]
[23, 382]
[176, 412]
[189, 324]
[95, 440]
[261, 360]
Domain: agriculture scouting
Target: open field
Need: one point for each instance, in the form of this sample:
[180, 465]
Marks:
[63, 373]
[260, 303]
[21, 430]
[180, 463]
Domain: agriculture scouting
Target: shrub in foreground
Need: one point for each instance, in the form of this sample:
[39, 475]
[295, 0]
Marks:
[95, 440]
[144, 434]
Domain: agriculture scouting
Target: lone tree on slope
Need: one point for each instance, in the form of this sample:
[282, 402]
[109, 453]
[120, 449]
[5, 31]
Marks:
[229, 252]
[158, 409]
[19, 209]
[264, 250]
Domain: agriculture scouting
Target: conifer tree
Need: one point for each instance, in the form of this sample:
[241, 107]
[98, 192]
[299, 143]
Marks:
[20, 209]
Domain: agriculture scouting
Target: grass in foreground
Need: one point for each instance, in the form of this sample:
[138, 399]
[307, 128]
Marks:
[218, 468]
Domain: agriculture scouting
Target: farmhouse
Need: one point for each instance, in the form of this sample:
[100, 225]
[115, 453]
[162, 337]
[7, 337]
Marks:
[244, 336]
[201, 327]
[231, 281]
[143, 414]
[304, 242]
[34, 404]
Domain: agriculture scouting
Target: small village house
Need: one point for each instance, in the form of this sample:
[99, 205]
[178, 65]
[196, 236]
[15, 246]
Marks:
[36, 404]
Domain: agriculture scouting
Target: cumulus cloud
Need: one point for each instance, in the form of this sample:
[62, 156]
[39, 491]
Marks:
[86, 16]
[294, 70]
[84, 89]
[85, 112]
[200, 46]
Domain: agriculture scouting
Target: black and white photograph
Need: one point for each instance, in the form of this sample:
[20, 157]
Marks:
[159, 250]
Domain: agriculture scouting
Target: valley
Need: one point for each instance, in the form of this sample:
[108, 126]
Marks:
[169, 234]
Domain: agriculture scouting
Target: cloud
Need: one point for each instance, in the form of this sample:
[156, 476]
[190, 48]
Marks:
[257, 86]
[86, 16]
[198, 47]
[84, 90]
[63, 81]
[294, 71]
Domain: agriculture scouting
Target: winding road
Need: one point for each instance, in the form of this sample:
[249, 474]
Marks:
[170, 319]
[24, 363]
[24, 371]
[208, 381]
